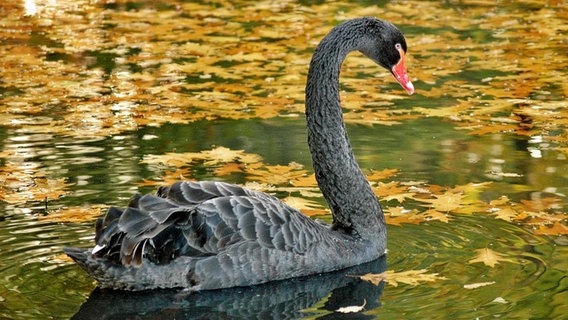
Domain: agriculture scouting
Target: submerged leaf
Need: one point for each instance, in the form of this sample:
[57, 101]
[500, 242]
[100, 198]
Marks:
[410, 277]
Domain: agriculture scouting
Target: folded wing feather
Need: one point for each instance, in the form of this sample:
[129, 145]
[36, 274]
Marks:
[200, 219]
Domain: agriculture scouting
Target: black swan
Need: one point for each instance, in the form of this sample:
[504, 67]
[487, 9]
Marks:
[211, 235]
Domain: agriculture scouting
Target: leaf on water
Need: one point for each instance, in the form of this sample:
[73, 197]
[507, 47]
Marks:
[507, 214]
[302, 204]
[316, 212]
[398, 220]
[447, 112]
[556, 229]
[215, 156]
[228, 169]
[61, 258]
[168, 178]
[392, 190]
[20, 185]
[397, 215]
[399, 211]
[502, 208]
[374, 278]
[381, 175]
[545, 212]
[352, 309]
[478, 285]
[540, 204]
[434, 215]
[276, 175]
[489, 257]
[446, 202]
[313, 192]
[304, 181]
[170, 159]
[544, 218]
[74, 214]
[503, 200]
[470, 202]
[500, 300]
[470, 188]
[225, 155]
[410, 277]
[254, 185]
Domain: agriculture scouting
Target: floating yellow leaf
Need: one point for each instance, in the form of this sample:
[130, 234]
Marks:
[397, 215]
[556, 229]
[304, 181]
[74, 214]
[211, 157]
[22, 184]
[389, 189]
[169, 177]
[434, 215]
[276, 175]
[301, 203]
[228, 168]
[489, 257]
[397, 220]
[503, 200]
[446, 202]
[224, 155]
[381, 175]
[61, 258]
[507, 214]
[316, 212]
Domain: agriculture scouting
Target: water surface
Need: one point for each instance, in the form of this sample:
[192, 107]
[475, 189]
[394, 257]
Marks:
[91, 91]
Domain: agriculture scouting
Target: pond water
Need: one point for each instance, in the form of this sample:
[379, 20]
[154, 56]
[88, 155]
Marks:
[100, 100]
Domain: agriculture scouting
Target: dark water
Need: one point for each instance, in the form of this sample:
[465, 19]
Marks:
[38, 139]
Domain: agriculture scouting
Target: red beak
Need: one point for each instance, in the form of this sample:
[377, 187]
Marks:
[400, 74]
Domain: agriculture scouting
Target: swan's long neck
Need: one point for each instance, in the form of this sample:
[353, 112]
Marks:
[354, 206]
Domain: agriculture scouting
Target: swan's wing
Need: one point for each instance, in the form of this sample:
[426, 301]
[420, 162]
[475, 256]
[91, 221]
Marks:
[201, 219]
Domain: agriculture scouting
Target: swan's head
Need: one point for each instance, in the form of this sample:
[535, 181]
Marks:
[385, 44]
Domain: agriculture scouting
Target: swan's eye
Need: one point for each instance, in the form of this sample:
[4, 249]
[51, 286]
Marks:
[398, 47]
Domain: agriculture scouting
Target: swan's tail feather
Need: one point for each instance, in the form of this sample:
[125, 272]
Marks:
[79, 255]
[114, 275]
[99, 269]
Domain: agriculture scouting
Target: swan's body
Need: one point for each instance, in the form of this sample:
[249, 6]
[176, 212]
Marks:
[210, 235]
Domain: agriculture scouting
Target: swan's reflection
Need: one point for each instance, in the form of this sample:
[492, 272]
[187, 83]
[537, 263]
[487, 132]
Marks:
[288, 299]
